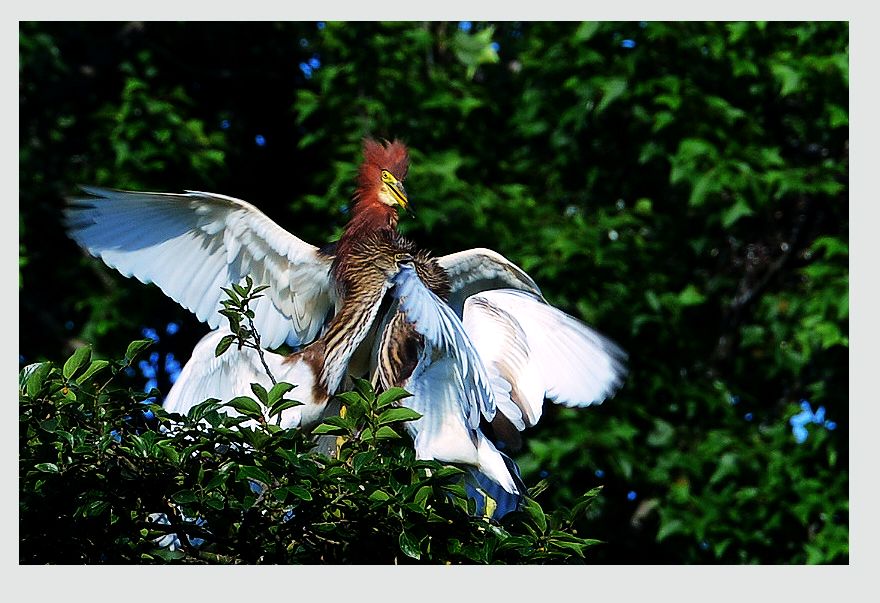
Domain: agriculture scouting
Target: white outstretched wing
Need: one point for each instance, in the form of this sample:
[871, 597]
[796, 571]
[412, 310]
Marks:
[475, 270]
[449, 385]
[533, 351]
[192, 244]
[231, 374]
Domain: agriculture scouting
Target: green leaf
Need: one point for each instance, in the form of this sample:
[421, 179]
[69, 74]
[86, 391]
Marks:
[447, 471]
[344, 422]
[738, 210]
[516, 542]
[300, 492]
[47, 467]
[668, 528]
[76, 361]
[788, 78]
[422, 496]
[653, 301]
[200, 410]
[36, 378]
[362, 459]
[691, 296]
[612, 89]
[662, 434]
[95, 508]
[277, 392]
[474, 49]
[535, 490]
[379, 495]
[386, 433]
[534, 510]
[727, 465]
[261, 393]
[283, 405]
[838, 116]
[184, 496]
[365, 389]
[705, 184]
[94, 368]
[396, 415]
[306, 103]
[585, 500]
[167, 554]
[328, 428]
[576, 547]
[246, 406]
[585, 31]
[392, 395]
[409, 545]
[224, 345]
[170, 453]
[136, 347]
[832, 246]
[251, 472]
[350, 398]
[234, 318]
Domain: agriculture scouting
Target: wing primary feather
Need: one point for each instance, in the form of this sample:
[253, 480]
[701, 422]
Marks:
[192, 244]
[540, 352]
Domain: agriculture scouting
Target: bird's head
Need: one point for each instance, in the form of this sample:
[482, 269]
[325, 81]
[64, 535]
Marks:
[381, 175]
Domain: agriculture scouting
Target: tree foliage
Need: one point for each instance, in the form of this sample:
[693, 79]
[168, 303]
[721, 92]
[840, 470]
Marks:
[680, 186]
[107, 476]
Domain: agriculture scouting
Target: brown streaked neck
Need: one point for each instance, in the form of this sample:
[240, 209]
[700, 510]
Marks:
[368, 216]
[330, 355]
[345, 334]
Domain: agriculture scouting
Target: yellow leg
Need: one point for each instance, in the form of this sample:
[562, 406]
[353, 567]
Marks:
[339, 439]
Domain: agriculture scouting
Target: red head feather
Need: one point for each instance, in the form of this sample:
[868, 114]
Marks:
[378, 156]
[369, 215]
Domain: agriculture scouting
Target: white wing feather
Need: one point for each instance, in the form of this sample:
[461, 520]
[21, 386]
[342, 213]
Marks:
[449, 385]
[475, 270]
[536, 351]
[231, 374]
[192, 244]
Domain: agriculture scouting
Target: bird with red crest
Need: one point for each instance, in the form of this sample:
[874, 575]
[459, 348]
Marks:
[469, 334]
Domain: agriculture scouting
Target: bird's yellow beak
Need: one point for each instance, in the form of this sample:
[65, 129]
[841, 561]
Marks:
[395, 186]
[400, 194]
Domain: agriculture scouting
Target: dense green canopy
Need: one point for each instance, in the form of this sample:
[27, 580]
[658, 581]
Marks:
[682, 187]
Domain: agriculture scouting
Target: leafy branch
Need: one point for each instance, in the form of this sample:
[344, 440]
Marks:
[237, 310]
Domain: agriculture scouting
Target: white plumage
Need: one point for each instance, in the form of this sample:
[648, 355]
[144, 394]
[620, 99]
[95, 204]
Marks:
[231, 374]
[479, 269]
[192, 244]
[534, 351]
[450, 387]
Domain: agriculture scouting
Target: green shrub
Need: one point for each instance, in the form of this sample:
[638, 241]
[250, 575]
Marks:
[98, 463]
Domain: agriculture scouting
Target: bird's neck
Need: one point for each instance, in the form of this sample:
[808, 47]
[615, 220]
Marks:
[347, 331]
[368, 216]
[361, 295]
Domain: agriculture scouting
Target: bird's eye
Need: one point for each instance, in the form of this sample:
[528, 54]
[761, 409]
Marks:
[387, 177]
